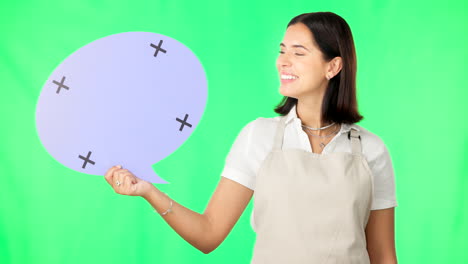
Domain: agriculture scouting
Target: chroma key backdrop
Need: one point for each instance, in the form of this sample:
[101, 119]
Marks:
[412, 64]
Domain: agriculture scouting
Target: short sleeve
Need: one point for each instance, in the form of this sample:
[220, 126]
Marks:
[239, 165]
[384, 180]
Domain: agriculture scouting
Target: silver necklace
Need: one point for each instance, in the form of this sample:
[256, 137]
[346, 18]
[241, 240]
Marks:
[322, 145]
[320, 128]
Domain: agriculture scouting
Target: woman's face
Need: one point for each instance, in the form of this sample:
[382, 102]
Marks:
[300, 64]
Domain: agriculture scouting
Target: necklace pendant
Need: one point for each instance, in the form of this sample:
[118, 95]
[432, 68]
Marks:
[322, 145]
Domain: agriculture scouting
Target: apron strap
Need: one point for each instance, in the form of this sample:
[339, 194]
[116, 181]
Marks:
[278, 141]
[355, 138]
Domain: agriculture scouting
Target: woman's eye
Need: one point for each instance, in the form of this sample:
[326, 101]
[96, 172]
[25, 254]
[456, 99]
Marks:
[297, 54]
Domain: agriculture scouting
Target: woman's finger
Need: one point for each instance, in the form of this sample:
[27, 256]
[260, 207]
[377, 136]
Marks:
[123, 181]
[127, 184]
[110, 173]
[118, 174]
[117, 179]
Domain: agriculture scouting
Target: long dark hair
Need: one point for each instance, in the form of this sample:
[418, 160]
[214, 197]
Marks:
[333, 37]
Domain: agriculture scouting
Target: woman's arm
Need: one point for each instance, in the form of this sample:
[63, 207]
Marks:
[203, 231]
[380, 236]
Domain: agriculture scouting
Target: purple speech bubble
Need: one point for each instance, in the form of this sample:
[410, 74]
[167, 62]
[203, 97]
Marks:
[131, 99]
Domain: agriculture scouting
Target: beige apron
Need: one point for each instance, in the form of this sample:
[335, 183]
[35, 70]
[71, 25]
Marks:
[312, 208]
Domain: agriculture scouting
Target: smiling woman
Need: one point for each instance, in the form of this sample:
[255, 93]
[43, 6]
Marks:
[323, 186]
[316, 45]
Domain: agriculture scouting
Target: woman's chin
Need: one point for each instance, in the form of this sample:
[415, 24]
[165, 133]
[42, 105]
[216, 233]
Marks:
[287, 91]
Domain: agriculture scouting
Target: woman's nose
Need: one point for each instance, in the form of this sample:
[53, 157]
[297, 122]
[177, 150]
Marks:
[283, 60]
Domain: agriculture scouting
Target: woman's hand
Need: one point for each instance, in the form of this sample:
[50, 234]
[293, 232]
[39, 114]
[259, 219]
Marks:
[124, 182]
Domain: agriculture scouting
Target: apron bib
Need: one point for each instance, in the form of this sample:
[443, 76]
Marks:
[312, 208]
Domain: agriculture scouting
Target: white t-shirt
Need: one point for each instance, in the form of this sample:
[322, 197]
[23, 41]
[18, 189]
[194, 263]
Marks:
[255, 141]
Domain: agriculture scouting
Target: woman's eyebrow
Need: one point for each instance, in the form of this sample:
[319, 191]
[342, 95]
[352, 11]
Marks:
[295, 46]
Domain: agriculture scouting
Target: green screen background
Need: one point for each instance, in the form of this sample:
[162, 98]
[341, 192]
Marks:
[411, 89]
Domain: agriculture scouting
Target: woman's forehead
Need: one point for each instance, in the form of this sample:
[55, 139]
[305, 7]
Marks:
[298, 34]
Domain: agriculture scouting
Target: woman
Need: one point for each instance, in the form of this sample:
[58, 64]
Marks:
[324, 186]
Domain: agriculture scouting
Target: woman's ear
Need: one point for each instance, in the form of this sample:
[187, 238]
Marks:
[334, 66]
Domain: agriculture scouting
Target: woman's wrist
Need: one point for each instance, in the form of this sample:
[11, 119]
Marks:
[150, 193]
[160, 201]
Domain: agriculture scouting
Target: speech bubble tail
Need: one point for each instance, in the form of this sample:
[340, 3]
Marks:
[148, 174]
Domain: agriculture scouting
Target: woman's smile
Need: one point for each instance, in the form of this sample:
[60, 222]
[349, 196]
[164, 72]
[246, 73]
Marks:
[287, 78]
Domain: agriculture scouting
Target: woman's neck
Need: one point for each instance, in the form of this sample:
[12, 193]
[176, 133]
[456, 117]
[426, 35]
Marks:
[310, 114]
